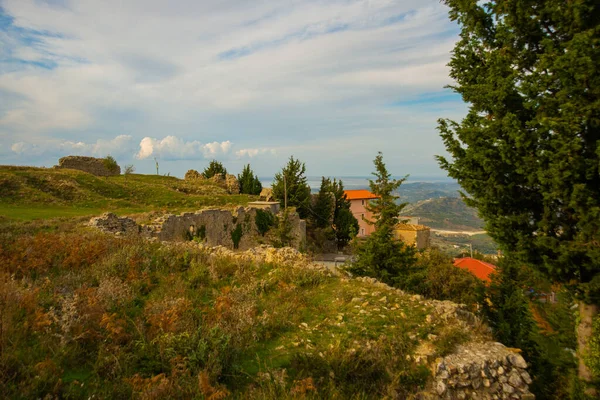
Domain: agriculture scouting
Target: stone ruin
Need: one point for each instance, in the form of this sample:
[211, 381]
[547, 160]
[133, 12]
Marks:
[211, 227]
[484, 371]
[229, 182]
[91, 165]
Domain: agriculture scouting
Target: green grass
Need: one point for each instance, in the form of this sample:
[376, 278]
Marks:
[28, 193]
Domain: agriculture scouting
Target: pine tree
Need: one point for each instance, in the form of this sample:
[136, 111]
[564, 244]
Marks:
[528, 151]
[381, 255]
[291, 182]
[323, 206]
[249, 183]
[214, 168]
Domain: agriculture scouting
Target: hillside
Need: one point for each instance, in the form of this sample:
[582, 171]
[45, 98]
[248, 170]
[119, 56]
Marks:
[446, 213]
[90, 314]
[30, 193]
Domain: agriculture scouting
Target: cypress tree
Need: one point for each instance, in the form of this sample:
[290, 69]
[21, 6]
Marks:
[527, 153]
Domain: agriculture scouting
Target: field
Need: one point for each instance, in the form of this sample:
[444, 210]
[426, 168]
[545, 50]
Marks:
[28, 193]
[87, 314]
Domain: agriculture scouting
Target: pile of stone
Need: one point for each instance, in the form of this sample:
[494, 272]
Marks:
[483, 371]
[229, 182]
[111, 223]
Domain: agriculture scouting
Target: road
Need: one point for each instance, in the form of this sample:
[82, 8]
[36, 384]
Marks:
[469, 233]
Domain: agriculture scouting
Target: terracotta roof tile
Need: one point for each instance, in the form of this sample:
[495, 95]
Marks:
[359, 194]
[480, 269]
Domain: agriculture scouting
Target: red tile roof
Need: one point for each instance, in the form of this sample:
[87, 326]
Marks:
[359, 194]
[479, 268]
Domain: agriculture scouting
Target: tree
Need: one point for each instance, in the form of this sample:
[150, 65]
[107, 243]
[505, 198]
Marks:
[111, 164]
[344, 223]
[249, 183]
[129, 169]
[290, 187]
[381, 255]
[214, 168]
[323, 206]
[528, 154]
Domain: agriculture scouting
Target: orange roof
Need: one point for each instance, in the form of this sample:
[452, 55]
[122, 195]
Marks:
[359, 194]
[479, 268]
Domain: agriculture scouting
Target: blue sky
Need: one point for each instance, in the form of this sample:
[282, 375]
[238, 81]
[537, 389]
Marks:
[330, 82]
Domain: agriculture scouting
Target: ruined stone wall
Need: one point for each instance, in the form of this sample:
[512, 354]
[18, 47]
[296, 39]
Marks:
[484, 371]
[94, 166]
[212, 227]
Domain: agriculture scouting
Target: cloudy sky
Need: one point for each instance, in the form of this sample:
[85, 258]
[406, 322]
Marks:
[330, 82]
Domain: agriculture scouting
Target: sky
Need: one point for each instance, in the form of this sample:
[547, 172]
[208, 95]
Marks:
[329, 82]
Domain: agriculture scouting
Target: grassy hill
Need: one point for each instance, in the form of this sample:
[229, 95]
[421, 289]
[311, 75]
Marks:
[31, 193]
[85, 314]
[447, 213]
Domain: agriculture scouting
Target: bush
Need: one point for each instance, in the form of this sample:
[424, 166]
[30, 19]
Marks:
[264, 221]
[111, 164]
[214, 168]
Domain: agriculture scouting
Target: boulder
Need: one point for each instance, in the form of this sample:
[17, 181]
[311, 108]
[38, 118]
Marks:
[192, 175]
[232, 184]
[266, 194]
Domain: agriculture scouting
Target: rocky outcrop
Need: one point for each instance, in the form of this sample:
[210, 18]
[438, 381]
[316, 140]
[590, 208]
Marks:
[109, 222]
[91, 165]
[484, 371]
[266, 194]
[232, 185]
[193, 175]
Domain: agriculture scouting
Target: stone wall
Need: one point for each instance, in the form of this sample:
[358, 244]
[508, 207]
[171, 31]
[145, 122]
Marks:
[109, 222]
[94, 166]
[211, 227]
[483, 371]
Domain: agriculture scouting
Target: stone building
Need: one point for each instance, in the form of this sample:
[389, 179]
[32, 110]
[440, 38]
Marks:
[416, 235]
[91, 165]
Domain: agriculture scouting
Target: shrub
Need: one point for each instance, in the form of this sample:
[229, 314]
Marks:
[236, 235]
[111, 164]
[264, 221]
[214, 168]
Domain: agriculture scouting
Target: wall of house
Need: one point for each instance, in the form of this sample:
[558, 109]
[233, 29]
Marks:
[418, 238]
[359, 211]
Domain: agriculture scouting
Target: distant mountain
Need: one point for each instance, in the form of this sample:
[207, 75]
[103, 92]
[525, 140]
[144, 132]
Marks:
[448, 213]
[418, 191]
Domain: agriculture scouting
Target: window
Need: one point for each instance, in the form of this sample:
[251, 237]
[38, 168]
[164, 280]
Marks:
[362, 202]
[362, 216]
[362, 231]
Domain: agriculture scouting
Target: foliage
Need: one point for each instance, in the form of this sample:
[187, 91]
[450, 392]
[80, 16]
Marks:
[380, 255]
[593, 356]
[129, 169]
[236, 235]
[214, 168]
[249, 182]
[291, 180]
[435, 276]
[518, 322]
[323, 206]
[84, 314]
[264, 220]
[110, 164]
[527, 152]
[283, 232]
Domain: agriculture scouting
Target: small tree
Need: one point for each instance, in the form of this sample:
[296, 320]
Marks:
[129, 169]
[111, 164]
[283, 233]
[381, 255]
[290, 187]
[249, 183]
[214, 168]
[323, 206]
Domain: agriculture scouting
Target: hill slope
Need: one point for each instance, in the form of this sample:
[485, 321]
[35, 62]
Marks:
[447, 213]
[29, 193]
[91, 314]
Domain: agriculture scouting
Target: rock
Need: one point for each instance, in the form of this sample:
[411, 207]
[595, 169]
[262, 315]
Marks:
[506, 388]
[515, 379]
[517, 360]
[91, 165]
[440, 388]
[526, 377]
[232, 184]
[266, 194]
[192, 175]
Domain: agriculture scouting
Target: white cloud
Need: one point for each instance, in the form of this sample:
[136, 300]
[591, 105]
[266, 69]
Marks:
[264, 74]
[119, 146]
[174, 148]
[254, 152]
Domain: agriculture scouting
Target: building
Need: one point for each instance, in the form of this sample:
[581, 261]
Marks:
[413, 234]
[480, 269]
[359, 199]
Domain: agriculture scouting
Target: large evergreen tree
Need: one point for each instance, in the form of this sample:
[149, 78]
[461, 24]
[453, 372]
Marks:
[527, 153]
[249, 182]
[323, 205]
[381, 255]
[291, 182]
